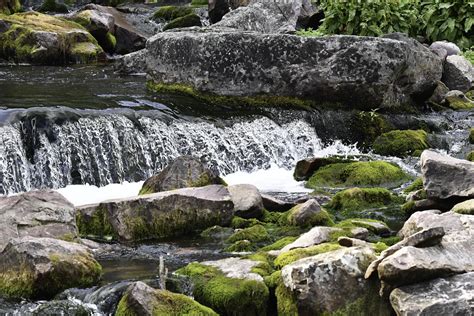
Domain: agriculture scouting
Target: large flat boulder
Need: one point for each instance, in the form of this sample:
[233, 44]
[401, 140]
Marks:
[445, 296]
[447, 177]
[360, 72]
[43, 213]
[158, 215]
[330, 281]
[33, 267]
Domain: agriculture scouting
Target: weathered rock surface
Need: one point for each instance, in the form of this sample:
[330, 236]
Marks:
[247, 200]
[446, 177]
[133, 63]
[237, 268]
[317, 235]
[36, 38]
[100, 24]
[158, 215]
[458, 73]
[141, 299]
[33, 267]
[328, 281]
[44, 213]
[378, 228]
[183, 172]
[445, 296]
[306, 214]
[268, 16]
[276, 205]
[357, 72]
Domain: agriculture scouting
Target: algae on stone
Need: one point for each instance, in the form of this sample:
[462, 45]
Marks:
[293, 255]
[401, 143]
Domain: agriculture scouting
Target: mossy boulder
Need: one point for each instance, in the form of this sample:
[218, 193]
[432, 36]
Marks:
[471, 136]
[160, 215]
[361, 174]
[466, 207]
[169, 13]
[470, 156]
[280, 243]
[40, 268]
[241, 246]
[308, 214]
[10, 6]
[457, 100]
[416, 185]
[401, 143]
[293, 255]
[100, 24]
[239, 222]
[53, 6]
[256, 234]
[185, 21]
[359, 199]
[366, 126]
[225, 295]
[141, 299]
[182, 172]
[37, 38]
[305, 168]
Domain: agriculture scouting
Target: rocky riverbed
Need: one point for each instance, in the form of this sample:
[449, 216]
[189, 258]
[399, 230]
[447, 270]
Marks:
[179, 158]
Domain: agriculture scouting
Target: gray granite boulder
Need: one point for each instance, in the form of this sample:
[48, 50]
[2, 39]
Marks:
[458, 73]
[247, 200]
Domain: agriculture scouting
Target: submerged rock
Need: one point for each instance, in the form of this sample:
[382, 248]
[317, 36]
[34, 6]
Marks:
[183, 172]
[159, 215]
[43, 213]
[36, 38]
[445, 177]
[33, 267]
[446, 296]
[141, 299]
[330, 281]
[356, 72]
[247, 200]
[458, 73]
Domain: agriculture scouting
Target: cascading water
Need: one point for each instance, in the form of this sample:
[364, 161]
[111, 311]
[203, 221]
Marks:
[113, 148]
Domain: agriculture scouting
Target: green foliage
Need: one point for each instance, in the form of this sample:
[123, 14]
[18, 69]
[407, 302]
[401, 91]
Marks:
[300, 253]
[449, 20]
[255, 233]
[369, 17]
[357, 199]
[469, 55]
[184, 21]
[414, 186]
[169, 13]
[379, 247]
[401, 143]
[362, 173]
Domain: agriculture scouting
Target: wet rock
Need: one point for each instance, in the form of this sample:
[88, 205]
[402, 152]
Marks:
[183, 172]
[36, 38]
[33, 267]
[217, 9]
[330, 281]
[133, 63]
[450, 48]
[247, 200]
[308, 214]
[62, 307]
[358, 72]
[141, 299]
[276, 205]
[439, 93]
[446, 177]
[43, 213]
[268, 16]
[466, 207]
[305, 168]
[158, 215]
[317, 235]
[445, 296]
[377, 227]
[458, 73]
[457, 100]
[237, 268]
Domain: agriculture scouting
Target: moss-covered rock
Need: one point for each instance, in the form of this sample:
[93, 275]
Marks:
[184, 21]
[169, 13]
[305, 168]
[37, 38]
[241, 246]
[40, 268]
[414, 186]
[362, 174]
[372, 225]
[256, 233]
[53, 6]
[226, 296]
[470, 156]
[10, 6]
[296, 254]
[286, 300]
[457, 100]
[280, 243]
[401, 143]
[308, 214]
[239, 222]
[466, 207]
[141, 299]
[94, 222]
[471, 135]
[366, 126]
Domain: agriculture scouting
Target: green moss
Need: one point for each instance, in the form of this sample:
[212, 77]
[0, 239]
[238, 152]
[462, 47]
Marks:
[240, 246]
[409, 207]
[401, 143]
[227, 296]
[379, 247]
[321, 218]
[265, 266]
[53, 6]
[97, 225]
[111, 40]
[169, 13]
[414, 186]
[358, 199]
[277, 245]
[466, 207]
[366, 126]
[10, 7]
[239, 222]
[85, 52]
[185, 21]
[17, 283]
[361, 222]
[218, 100]
[255, 233]
[199, 2]
[457, 102]
[271, 217]
[362, 173]
[471, 136]
[470, 156]
[286, 301]
[273, 280]
[299, 253]
[390, 241]
[146, 190]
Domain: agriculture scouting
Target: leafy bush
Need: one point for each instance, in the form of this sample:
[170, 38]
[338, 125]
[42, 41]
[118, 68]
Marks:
[369, 17]
[449, 20]
[469, 55]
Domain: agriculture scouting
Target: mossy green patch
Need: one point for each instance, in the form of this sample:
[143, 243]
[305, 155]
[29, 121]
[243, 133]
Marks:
[256, 233]
[16, 283]
[379, 247]
[286, 301]
[273, 279]
[185, 21]
[366, 126]
[299, 253]
[414, 186]
[53, 6]
[390, 241]
[199, 2]
[239, 222]
[96, 225]
[470, 156]
[466, 207]
[265, 266]
[10, 6]
[277, 245]
[401, 143]
[227, 296]
[232, 101]
[321, 218]
[362, 173]
[169, 13]
[271, 217]
[241, 246]
[471, 135]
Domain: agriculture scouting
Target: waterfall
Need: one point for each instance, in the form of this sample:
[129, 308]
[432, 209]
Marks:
[112, 148]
